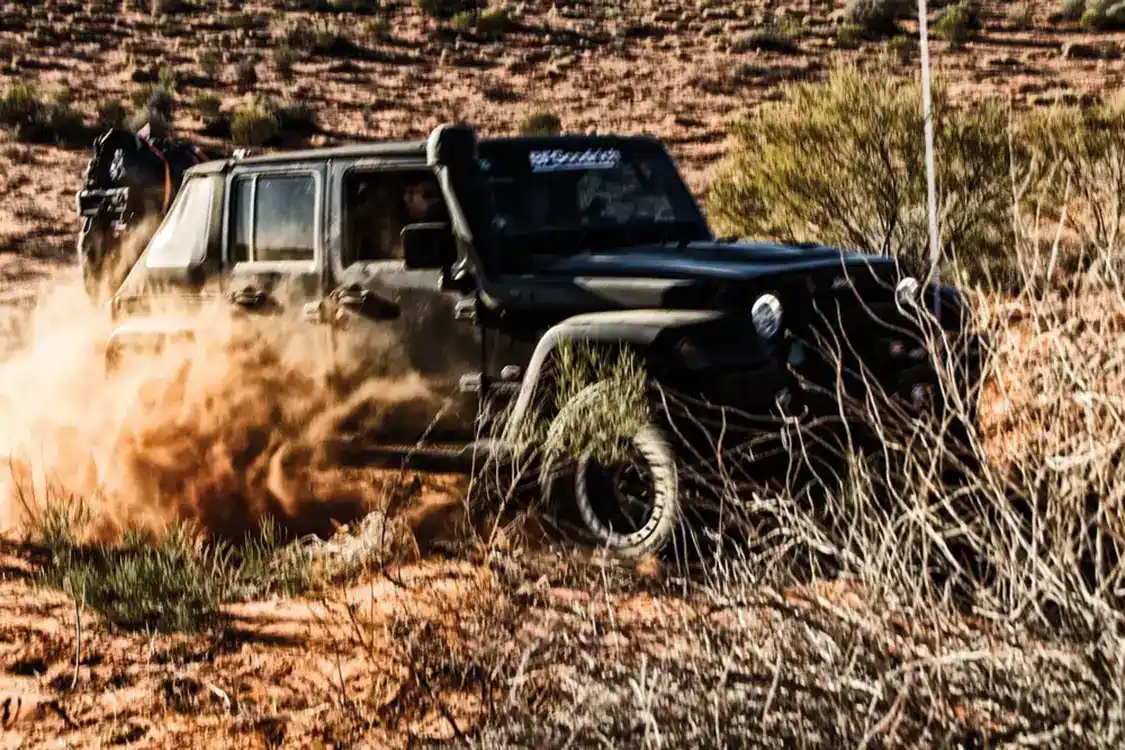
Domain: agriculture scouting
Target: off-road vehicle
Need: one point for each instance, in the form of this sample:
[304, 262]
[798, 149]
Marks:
[488, 258]
[129, 178]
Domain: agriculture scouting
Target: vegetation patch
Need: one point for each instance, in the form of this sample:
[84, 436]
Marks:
[178, 581]
[541, 124]
[875, 18]
[841, 163]
[31, 118]
[957, 23]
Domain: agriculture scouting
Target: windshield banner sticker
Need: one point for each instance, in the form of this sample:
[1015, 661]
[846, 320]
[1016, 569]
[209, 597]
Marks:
[557, 160]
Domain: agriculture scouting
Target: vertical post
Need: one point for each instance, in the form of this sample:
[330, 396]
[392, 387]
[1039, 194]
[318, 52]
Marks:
[928, 117]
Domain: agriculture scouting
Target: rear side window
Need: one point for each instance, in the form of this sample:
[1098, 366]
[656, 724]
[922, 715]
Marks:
[274, 218]
[182, 239]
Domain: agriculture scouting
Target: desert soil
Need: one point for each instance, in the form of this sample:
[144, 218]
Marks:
[285, 672]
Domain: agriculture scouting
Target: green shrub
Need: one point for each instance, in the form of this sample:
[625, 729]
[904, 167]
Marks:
[245, 74]
[298, 117]
[902, 48]
[849, 35]
[771, 39]
[1021, 16]
[162, 102]
[357, 6]
[254, 125]
[466, 19]
[30, 119]
[169, 7]
[153, 100]
[209, 105]
[1070, 10]
[65, 123]
[168, 78]
[957, 23]
[1104, 15]
[541, 123]
[178, 580]
[843, 163]
[173, 582]
[291, 117]
[210, 64]
[494, 21]
[447, 9]
[298, 36]
[19, 105]
[283, 60]
[112, 114]
[376, 28]
[875, 18]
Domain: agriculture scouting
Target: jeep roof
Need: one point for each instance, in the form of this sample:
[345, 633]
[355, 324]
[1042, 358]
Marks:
[417, 148]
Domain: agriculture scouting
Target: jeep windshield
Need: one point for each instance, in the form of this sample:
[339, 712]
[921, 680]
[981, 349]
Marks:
[566, 198]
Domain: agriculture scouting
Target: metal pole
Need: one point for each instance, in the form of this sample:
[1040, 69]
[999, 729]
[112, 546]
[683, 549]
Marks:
[928, 116]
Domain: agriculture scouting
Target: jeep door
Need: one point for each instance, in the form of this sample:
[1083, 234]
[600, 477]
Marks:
[409, 363]
[274, 257]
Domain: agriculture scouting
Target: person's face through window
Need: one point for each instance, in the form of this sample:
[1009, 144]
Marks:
[421, 199]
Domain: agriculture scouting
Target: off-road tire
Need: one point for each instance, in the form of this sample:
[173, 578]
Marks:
[566, 488]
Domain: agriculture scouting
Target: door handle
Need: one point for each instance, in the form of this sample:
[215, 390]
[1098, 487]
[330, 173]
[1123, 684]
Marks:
[365, 302]
[353, 298]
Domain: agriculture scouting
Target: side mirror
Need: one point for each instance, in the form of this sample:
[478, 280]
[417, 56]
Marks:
[427, 245]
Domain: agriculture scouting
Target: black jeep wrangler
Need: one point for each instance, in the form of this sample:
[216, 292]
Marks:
[487, 258]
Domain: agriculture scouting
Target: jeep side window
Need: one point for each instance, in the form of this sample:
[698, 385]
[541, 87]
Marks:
[274, 218]
[182, 238]
[377, 205]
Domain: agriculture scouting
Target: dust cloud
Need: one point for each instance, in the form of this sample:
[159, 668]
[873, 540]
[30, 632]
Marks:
[223, 429]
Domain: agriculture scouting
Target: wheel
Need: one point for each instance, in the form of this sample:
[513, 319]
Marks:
[632, 506]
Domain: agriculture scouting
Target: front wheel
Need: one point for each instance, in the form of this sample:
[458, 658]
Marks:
[626, 500]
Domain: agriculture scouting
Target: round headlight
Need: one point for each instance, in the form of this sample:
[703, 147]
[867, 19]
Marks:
[907, 291]
[766, 313]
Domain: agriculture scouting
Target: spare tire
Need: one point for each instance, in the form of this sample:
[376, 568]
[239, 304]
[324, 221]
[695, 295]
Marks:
[95, 243]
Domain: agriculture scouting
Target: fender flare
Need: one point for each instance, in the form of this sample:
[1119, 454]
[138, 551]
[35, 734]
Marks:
[637, 328]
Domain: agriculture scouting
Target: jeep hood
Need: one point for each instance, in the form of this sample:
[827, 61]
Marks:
[711, 260]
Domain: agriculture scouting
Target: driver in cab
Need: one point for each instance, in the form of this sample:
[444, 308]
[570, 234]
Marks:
[386, 211]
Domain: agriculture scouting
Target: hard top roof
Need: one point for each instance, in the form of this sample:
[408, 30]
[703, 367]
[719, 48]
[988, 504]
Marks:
[416, 149]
